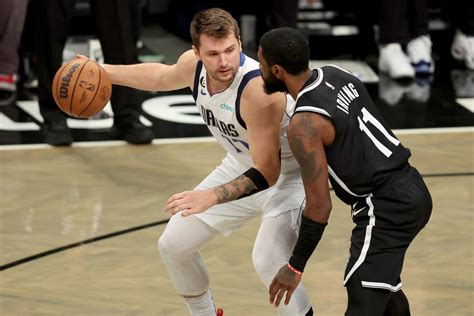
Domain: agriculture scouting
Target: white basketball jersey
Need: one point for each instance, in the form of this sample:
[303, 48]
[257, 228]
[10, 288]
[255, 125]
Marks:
[221, 113]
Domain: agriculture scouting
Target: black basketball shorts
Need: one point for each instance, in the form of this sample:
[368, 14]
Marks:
[386, 223]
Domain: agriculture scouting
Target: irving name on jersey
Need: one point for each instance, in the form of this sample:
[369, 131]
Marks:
[345, 96]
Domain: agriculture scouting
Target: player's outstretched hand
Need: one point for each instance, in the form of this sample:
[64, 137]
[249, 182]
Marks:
[285, 281]
[190, 202]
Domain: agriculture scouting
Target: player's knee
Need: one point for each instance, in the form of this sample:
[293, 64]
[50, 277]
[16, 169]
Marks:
[163, 245]
[167, 247]
[174, 245]
[264, 263]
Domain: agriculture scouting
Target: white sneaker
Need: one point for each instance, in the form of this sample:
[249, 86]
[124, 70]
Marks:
[394, 62]
[463, 48]
[419, 52]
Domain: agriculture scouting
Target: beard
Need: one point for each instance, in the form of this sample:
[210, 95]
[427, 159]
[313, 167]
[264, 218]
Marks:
[273, 84]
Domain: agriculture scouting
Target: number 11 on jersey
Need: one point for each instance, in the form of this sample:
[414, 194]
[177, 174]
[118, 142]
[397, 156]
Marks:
[369, 118]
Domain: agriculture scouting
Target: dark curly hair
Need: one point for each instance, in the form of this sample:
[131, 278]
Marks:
[286, 47]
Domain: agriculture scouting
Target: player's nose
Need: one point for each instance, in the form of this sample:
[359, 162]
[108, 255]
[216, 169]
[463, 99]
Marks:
[223, 60]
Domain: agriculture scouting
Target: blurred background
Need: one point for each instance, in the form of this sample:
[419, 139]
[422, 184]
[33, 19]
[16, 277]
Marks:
[359, 36]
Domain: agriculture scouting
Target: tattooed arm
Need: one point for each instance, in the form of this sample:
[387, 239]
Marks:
[262, 114]
[308, 133]
[193, 202]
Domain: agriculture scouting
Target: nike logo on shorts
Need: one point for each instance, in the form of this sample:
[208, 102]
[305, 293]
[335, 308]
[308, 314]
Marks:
[358, 211]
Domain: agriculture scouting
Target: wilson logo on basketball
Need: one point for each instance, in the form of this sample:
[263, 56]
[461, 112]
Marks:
[66, 80]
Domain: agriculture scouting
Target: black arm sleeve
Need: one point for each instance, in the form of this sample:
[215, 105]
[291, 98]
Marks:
[308, 238]
[258, 179]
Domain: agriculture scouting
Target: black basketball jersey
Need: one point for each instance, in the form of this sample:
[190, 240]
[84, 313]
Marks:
[365, 151]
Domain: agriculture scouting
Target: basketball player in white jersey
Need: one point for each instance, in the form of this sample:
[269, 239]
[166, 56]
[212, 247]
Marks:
[257, 177]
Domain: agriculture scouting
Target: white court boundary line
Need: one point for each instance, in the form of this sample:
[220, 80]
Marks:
[111, 143]
[438, 130]
[190, 140]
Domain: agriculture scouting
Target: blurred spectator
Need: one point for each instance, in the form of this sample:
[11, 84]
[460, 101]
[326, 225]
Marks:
[114, 30]
[12, 19]
[405, 44]
[394, 92]
[281, 13]
[266, 14]
[144, 53]
[276, 13]
[136, 7]
[463, 83]
[462, 47]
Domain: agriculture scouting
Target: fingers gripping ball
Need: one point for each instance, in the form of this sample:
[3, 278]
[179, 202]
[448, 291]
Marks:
[81, 88]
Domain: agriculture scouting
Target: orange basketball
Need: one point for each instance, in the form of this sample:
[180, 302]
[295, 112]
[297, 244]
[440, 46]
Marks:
[81, 88]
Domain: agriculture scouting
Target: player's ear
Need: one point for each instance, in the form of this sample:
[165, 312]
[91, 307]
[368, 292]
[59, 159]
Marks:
[277, 71]
[196, 52]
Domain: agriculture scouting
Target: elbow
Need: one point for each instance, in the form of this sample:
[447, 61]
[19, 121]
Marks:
[272, 179]
[272, 175]
[270, 171]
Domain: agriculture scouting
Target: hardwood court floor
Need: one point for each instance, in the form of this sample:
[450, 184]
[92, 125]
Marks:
[55, 197]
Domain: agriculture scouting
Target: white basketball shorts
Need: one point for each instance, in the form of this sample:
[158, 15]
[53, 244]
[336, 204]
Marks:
[286, 195]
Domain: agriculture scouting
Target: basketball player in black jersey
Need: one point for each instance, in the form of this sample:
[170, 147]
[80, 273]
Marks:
[336, 132]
